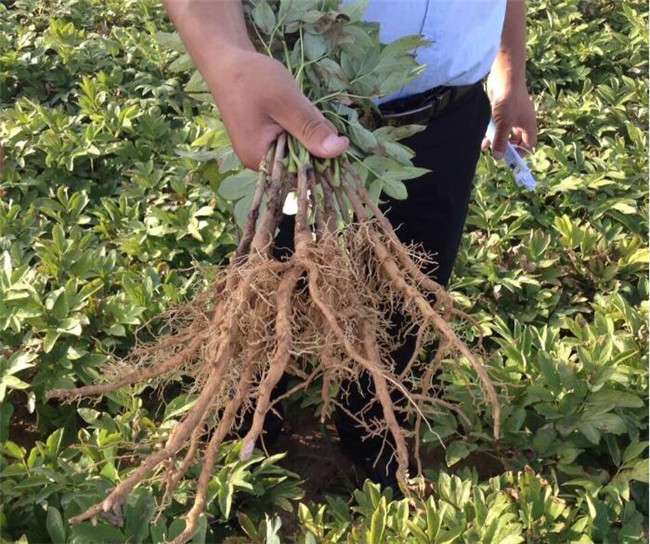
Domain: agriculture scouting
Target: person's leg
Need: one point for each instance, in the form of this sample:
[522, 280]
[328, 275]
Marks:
[433, 215]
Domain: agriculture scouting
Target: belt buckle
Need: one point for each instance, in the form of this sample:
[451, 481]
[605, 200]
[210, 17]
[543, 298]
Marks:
[431, 107]
[445, 99]
[401, 118]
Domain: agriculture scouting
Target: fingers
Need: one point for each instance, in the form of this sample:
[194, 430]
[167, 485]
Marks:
[514, 117]
[516, 139]
[308, 125]
[522, 136]
[302, 120]
[522, 140]
[529, 138]
[500, 140]
[515, 136]
[254, 150]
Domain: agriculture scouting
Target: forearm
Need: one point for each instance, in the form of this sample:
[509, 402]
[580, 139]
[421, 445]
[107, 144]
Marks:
[211, 30]
[511, 58]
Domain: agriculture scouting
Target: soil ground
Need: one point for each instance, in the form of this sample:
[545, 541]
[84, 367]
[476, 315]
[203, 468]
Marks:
[314, 453]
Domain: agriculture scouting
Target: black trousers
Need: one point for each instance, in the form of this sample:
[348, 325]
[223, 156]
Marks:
[433, 215]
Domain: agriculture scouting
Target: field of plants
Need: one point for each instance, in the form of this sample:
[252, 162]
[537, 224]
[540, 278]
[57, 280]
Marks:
[119, 200]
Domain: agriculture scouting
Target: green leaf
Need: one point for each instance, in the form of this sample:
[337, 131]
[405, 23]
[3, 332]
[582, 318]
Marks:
[514, 539]
[61, 307]
[13, 450]
[53, 443]
[590, 432]
[264, 17]
[386, 168]
[13, 383]
[398, 133]
[377, 524]
[405, 45]
[247, 525]
[181, 64]
[171, 40]
[242, 207]
[272, 529]
[158, 531]
[447, 537]
[199, 536]
[179, 406]
[609, 423]
[567, 453]
[94, 418]
[399, 152]
[6, 267]
[196, 84]
[544, 439]
[374, 191]
[294, 10]
[634, 450]
[395, 188]
[456, 451]
[615, 399]
[315, 46]
[225, 496]
[640, 471]
[51, 336]
[624, 207]
[55, 526]
[362, 137]
[332, 74]
[175, 529]
[86, 533]
[354, 9]
[238, 185]
[547, 365]
[139, 516]
[109, 472]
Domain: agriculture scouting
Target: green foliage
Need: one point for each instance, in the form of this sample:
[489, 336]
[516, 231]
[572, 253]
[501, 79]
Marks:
[104, 210]
[53, 482]
[115, 206]
[512, 508]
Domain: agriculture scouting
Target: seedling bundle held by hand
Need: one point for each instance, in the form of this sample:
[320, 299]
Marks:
[323, 313]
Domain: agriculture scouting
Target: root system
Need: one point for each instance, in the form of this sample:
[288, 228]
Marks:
[320, 314]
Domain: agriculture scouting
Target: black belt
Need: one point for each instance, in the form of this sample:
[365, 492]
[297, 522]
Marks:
[419, 109]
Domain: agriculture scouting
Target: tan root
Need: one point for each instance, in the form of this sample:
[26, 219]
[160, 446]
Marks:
[320, 314]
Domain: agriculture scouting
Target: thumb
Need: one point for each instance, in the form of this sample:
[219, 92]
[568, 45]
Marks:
[500, 139]
[303, 121]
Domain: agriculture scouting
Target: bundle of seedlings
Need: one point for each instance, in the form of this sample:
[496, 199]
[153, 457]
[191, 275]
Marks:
[323, 313]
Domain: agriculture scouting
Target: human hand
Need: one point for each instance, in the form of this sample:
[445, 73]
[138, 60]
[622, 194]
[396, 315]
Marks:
[514, 116]
[258, 99]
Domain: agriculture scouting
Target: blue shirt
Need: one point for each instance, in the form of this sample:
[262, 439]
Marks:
[465, 36]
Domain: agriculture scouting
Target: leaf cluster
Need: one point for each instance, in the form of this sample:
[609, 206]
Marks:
[107, 218]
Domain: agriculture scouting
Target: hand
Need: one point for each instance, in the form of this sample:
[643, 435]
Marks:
[514, 115]
[258, 99]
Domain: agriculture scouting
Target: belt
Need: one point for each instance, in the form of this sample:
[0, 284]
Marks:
[419, 109]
